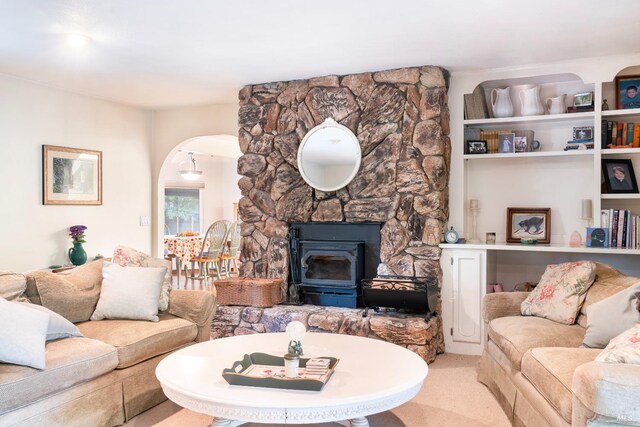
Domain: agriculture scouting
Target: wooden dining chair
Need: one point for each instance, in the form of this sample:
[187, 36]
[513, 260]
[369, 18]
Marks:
[233, 253]
[210, 252]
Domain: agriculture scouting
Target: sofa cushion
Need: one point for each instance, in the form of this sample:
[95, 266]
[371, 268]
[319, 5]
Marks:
[515, 335]
[69, 361]
[550, 371]
[609, 281]
[13, 286]
[73, 293]
[561, 291]
[625, 348]
[139, 340]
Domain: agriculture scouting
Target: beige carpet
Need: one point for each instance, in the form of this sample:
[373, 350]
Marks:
[451, 396]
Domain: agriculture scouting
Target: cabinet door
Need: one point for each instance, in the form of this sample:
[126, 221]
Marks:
[467, 296]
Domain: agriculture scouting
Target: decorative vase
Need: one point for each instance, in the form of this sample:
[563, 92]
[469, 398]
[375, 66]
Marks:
[556, 105]
[77, 254]
[530, 101]
[501, 102]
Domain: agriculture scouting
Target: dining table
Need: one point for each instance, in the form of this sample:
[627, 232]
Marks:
[185, 248]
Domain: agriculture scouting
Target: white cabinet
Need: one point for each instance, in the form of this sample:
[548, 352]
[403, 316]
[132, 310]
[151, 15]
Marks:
[463, 287]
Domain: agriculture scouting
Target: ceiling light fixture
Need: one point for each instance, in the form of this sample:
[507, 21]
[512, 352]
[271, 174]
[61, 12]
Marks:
[189, 171]
[78, 40]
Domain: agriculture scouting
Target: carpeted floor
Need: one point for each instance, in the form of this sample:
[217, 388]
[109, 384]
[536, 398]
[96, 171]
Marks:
[451, 396]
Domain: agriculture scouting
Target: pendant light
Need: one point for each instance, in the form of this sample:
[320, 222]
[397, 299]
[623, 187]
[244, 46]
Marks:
[189, 171]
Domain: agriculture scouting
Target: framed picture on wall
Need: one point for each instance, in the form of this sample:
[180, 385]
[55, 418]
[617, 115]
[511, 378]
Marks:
[627, 92]
[71, 176]
[528, 223]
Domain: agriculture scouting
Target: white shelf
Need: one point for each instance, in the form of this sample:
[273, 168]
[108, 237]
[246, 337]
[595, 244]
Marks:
[541, 248]
[527, 119]
[621, 113]
[614, 151]
[569, 153]
[621, 196]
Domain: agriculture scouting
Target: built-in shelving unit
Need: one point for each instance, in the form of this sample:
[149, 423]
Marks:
[621, 196]
[619, 151]
[549, 118]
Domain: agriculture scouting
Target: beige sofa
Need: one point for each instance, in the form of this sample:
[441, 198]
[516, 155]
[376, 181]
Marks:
[542, 376]
[107, 377]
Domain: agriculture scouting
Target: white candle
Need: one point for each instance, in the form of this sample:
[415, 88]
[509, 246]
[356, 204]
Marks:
[192, 223]
[473, 203]
[587, 209]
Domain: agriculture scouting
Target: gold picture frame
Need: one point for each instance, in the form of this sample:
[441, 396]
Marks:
[71, 176]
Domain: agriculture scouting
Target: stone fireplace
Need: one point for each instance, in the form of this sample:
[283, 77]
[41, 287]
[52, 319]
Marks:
[401, 120]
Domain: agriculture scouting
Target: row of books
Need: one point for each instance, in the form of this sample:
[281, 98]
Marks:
[623, 226]
[620, 134]
[493, 138]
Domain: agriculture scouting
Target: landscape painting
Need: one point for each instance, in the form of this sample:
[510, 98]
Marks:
[71, 176]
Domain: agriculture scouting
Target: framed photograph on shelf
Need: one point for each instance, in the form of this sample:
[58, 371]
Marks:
[506, 142]
[583, 133]
[477, 147]
[619, 176]
[583, 99]
[627, 88]
[528, 223]
[71, 176]
[520, 144]
[597, 237]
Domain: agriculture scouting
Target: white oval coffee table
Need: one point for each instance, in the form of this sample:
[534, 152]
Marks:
[372, 376]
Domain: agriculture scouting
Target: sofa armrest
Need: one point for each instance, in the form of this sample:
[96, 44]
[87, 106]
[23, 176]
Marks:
[198, 307]
[606, 392]
[502, 304]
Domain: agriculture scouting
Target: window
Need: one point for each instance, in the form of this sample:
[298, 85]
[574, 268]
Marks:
[181, 210]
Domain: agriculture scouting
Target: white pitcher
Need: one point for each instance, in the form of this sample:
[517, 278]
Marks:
[530, 101]
[556, 105]
[501, 102]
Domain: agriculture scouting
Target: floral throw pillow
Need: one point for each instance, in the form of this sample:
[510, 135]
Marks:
[561, 292]
[128, 257]
[625, 348]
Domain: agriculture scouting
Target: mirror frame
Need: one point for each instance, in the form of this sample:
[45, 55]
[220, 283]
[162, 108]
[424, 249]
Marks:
[329, 122]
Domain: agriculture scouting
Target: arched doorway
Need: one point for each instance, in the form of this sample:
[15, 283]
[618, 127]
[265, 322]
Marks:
[203, 201]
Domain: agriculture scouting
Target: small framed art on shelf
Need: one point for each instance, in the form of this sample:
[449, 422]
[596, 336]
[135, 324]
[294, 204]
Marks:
[528, 223]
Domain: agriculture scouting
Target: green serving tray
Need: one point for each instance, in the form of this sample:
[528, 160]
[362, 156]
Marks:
[234, 377]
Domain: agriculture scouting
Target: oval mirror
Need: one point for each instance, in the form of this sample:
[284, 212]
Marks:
[329, 156]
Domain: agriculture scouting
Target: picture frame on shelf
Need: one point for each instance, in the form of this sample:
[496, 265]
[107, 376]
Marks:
[583, 133]
[71, 176]
[477, 147]
[528, 223]
[583, 99]
[619, 176]
[627, 92]
[597, 237]
[520, 144]
[506, 142]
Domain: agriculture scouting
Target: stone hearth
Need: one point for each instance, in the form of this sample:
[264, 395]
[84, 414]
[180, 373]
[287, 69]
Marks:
[410, 331]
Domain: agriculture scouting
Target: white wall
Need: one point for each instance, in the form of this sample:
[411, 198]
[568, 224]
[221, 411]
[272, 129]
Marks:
[35, 236]
[173, 127]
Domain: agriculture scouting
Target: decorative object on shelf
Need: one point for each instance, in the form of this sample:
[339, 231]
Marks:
[71, 176]
[597, 237]
[329, 156]
[528, 241]
[528, 223]
[575, 240]
[587, 211]
[619, 177]
[520, 144]
[530, 101]
[189, 170]
[557, 105]
[490, 238]
[506, 144]
[77, 254]
[497, 287]
[583, 133]
[451, 236]
[477, 147]
[536, 145]
[605, 106]
[584, 99]
[501, 104]
[475, 106]
[627, 95]
[473, 206]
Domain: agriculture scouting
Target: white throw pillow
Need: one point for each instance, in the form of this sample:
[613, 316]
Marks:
[23, 333]
[129, 293]
[59, 327]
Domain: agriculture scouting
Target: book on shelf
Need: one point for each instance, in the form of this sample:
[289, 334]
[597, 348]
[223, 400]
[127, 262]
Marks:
[579, 109]
[620, 134]
[622, 228]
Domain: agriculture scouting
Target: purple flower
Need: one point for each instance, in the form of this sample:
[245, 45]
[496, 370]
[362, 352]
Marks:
[77, 233]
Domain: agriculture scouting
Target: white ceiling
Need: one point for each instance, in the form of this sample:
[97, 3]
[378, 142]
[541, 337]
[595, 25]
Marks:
[161, 53]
